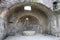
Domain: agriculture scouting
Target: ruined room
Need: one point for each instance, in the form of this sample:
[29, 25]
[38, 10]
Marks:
[28, 20]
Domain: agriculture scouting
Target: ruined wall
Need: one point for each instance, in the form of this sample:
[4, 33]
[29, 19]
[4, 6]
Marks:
[2, 30]
[41, 16]
[58, 24]
[8, 3]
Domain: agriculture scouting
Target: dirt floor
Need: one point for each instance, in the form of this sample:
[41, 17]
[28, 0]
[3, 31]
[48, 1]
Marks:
[34, 37]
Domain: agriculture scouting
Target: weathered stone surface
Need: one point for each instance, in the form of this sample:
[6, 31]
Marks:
[8, 3]
[41, 12]
[2, 30]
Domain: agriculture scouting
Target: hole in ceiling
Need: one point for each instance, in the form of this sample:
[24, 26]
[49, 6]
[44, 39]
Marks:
[27, 8]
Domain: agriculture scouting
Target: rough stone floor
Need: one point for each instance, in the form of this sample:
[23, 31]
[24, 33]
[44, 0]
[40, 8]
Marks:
[35, 37]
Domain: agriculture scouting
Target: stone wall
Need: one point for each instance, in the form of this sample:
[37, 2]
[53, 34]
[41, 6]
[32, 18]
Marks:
[2, 29]
[45, 22]
[58, 24]
[8, 3]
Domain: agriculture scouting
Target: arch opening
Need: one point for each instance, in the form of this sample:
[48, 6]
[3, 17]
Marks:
[29, 24]
[17, 11]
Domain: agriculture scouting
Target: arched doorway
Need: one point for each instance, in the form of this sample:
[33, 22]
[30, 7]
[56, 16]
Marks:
[17, 11]
[27, 21]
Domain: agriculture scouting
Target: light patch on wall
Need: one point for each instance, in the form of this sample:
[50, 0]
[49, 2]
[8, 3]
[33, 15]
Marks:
[27, 8]
[3, 14]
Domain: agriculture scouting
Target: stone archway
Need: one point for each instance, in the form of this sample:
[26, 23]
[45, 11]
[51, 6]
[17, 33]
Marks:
[14, 17]
[40, 11]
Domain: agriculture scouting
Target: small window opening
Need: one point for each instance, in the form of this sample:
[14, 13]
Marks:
[54, 5]
[27, 8]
